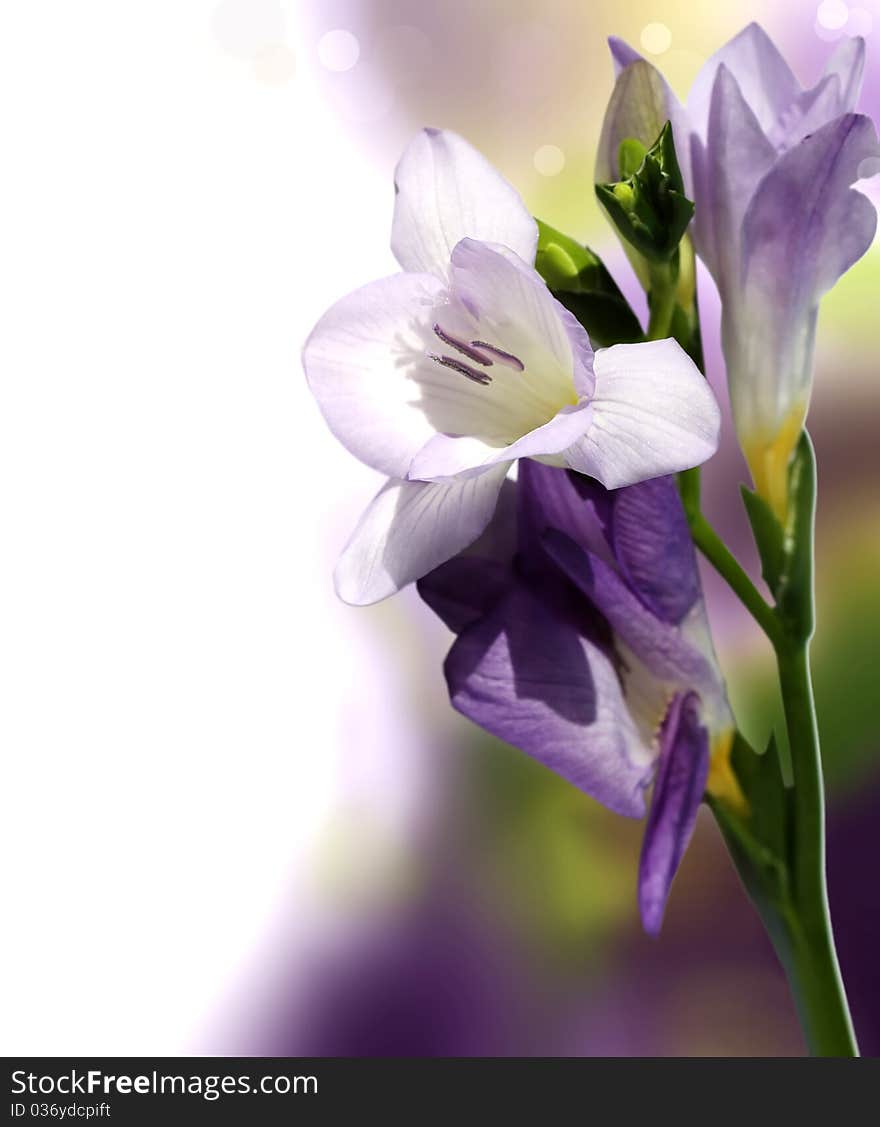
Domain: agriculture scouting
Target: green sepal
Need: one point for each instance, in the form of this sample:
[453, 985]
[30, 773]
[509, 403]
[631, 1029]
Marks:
[580, 281]
[648, 206]
[758, 839]
[769, 537]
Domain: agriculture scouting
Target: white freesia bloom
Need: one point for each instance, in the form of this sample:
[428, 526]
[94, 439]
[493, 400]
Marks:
[445, 374]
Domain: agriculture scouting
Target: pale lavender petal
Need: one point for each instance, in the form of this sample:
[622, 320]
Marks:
[363, 361]
[447, 191]
[763, 75]
[847, 62]
[532, 679]
[653, 547]
[409, 529]
[678, 790]
[804, 228]
[653, 414]
[727, 173]
[447, 456]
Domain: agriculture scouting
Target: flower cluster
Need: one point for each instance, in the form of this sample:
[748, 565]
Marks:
[531, 484]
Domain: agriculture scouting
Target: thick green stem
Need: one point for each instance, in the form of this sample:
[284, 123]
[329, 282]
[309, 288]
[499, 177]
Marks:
[813, 971]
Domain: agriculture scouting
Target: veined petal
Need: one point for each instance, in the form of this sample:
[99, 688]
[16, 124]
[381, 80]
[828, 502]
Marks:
[532, 679]
[409, 529]
[446, 456]
[678, 790]
[653, 414]
[447, 191]
[765, 78]
[363, 360]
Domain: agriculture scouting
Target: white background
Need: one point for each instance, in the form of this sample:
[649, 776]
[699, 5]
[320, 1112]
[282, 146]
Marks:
[179, 685]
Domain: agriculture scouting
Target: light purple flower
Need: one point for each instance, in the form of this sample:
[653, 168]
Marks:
[582, 639]
[442, 376]
[770, 167]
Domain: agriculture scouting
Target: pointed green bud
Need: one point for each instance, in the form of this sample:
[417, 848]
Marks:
[579, 280]
[648, 205]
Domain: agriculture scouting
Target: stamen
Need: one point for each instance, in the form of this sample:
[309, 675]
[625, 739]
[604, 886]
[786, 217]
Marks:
[463, 369]
[500, 355]
[462, 346]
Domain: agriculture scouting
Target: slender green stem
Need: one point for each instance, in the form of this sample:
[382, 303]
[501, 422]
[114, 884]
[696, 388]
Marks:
[731, 570]
[814, 974]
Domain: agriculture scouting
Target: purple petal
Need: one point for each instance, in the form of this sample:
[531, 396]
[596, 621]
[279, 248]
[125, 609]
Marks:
[464, 589]
[656, 643]
[550, 497]
[533, 680]
[622, 54]
[678, 791]
[806, 226]
[653, 547]
[468, 586]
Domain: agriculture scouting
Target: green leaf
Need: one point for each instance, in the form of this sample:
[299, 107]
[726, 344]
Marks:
[579, 279]
[768, 535]
[648, 205]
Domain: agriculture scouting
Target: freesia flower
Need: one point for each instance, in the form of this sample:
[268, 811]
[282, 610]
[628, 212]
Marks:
[583, 640]
[441, 376]
[770, 167]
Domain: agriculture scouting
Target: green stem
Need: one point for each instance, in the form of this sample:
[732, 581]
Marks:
[661, 302]
[813, 971]
[731, 570]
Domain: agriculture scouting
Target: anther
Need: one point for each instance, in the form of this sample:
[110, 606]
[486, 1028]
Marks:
[463, 369]
[500, 355]
[462, 346]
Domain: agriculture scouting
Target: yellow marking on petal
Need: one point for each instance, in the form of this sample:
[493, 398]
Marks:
[722, 783]
[769, 460]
